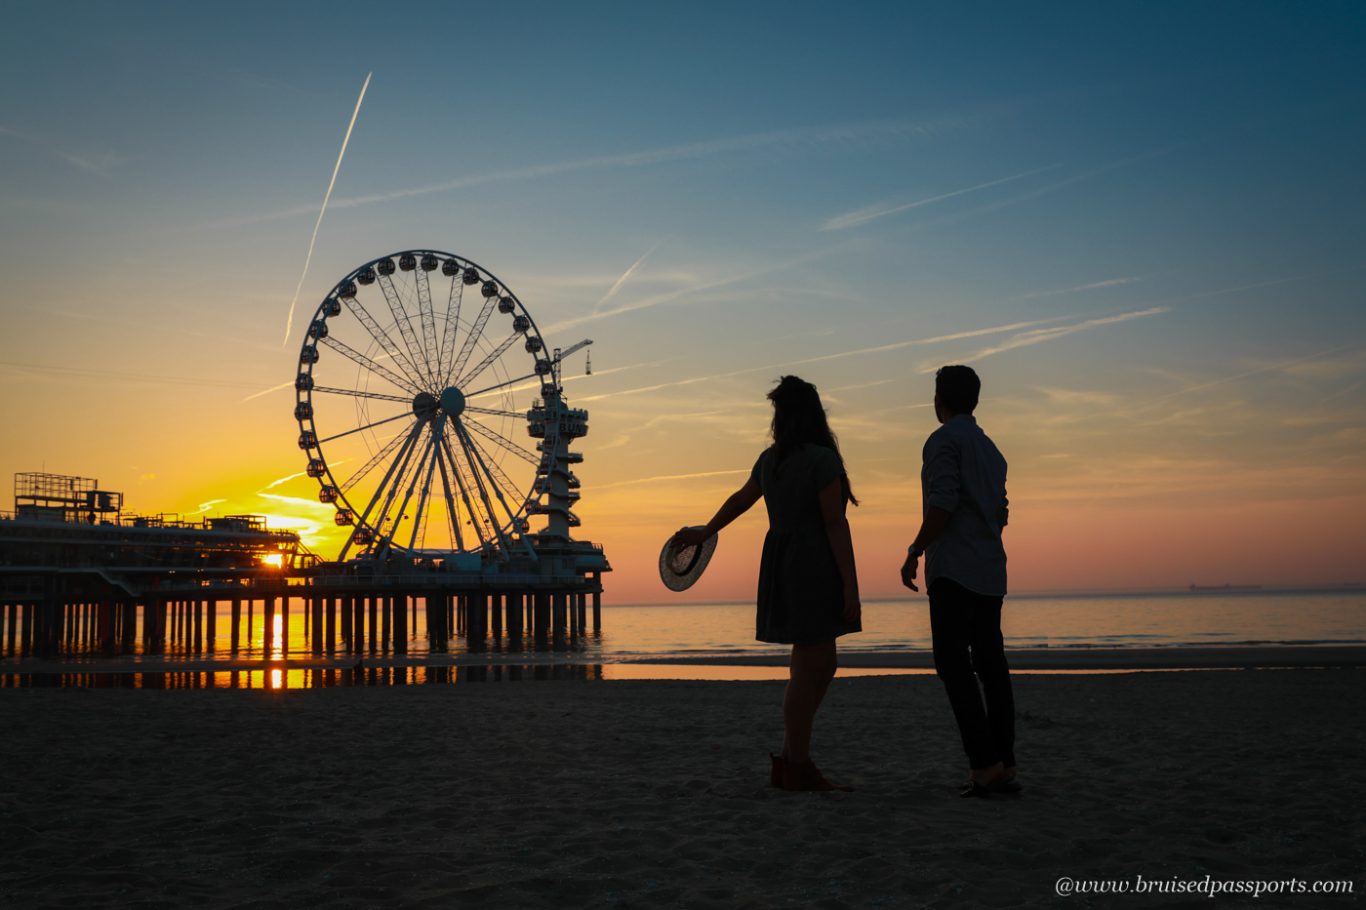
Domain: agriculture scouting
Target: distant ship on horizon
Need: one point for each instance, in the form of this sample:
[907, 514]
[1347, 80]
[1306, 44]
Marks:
[1225, 587]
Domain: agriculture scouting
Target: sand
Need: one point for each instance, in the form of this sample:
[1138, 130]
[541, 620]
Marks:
[653, 794]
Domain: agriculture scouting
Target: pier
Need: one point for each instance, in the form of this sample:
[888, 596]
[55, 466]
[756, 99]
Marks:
[437, 500]
[163, 586]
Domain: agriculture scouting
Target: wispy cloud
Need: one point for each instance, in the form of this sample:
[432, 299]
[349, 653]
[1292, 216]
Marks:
[691, 293]
[307, 505]
[856, 352]
[283, 480]
[1282, 366]
[667, 477]
[1052, 333]
[565, 380]
[1056, 185]
[858, 385]
[289, 320]
[859, 217]
[40, 368]
[93, 164]
[797, 138]
[1079, 288]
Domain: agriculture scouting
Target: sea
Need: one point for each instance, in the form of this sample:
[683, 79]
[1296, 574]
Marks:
[677, 640]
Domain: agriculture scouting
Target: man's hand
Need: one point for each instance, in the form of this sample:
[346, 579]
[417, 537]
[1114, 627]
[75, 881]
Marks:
[853, 609]
[908, 571]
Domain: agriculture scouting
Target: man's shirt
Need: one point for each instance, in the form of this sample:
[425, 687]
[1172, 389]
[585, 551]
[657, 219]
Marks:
[965, 475]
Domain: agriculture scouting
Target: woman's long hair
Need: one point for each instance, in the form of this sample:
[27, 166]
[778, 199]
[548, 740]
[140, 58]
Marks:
[799, 417]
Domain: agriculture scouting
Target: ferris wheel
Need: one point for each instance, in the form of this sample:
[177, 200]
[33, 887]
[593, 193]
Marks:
[409, 398]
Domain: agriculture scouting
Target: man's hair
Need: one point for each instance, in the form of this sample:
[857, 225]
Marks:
[958, 388]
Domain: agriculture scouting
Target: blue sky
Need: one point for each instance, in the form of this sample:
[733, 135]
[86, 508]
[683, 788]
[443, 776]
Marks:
[1163, 200]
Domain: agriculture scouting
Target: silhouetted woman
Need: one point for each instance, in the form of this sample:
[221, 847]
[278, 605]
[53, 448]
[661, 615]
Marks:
[808, 589]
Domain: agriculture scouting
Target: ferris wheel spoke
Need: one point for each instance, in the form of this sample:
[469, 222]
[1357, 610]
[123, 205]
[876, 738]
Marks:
[356, 393]
[500, 439]
[404, 473]
[410, 484]
[352, 354]
[476, 331]
[452, 513]
[494, 388]
[408, 442]
[367, 426]
[424, 309]
[382, 338]
[487, 361]
[473, 458]
[472, 446]
[476, 520]
[427, 465]
[405, 327]
[374, 462]
[492, 466]
[451, 329]
[518, 415]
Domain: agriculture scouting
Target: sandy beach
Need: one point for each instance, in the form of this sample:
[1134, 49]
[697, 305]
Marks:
[654, 793]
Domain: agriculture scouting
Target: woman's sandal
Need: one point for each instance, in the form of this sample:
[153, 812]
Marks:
[1005, 784]
[974, 789]
[790, 775]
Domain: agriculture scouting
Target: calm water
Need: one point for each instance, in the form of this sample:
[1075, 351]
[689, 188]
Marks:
[1148, 620]
[688, 632]
[701, 630]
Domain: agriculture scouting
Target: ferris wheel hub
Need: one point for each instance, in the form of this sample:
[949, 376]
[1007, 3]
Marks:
[453, 401]
[425, 405]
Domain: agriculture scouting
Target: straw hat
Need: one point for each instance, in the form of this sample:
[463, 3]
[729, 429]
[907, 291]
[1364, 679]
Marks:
[679, 567]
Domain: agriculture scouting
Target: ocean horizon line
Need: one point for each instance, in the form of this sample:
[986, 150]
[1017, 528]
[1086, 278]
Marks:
[1348, 587]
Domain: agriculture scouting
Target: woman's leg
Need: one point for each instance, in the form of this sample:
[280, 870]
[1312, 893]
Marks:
[812, 668]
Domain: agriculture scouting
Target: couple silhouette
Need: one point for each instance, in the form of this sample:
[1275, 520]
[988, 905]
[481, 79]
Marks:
[808, 585]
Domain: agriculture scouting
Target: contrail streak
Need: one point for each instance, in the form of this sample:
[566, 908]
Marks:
[625, 276]
[274, 388]
[1039, 336]
[326, 196]
[882, 210]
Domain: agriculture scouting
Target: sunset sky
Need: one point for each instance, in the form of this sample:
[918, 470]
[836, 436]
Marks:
[1143, 225]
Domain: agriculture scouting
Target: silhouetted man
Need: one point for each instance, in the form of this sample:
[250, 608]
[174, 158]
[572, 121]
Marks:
[963, 497]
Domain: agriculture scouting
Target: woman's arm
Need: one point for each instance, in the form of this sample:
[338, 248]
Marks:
[841, 544]
[736, 505]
